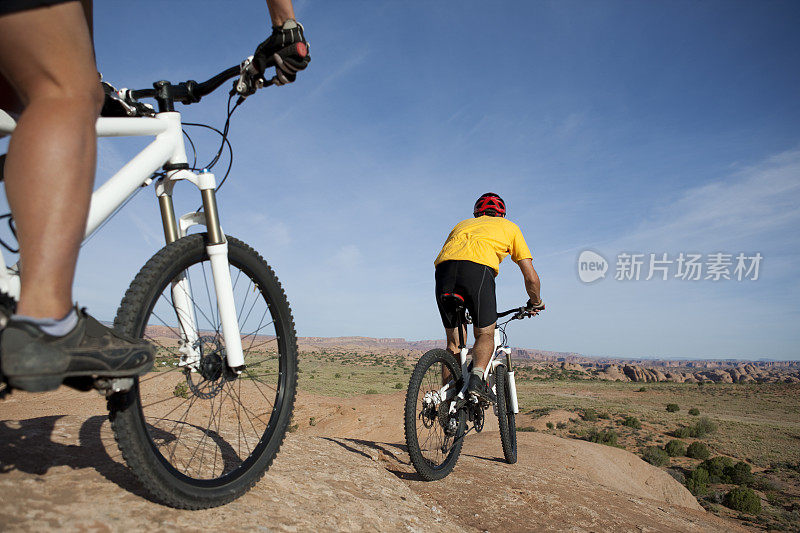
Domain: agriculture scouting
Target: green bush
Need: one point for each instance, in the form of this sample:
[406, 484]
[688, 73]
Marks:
[743, 499]
[703, 427]
[697, 481]
[372, 391]
[604, 415]
[682, 432]
[698, 450]
[526, 429]
[716, 468]
[632, 422]
[550, 425]
[590, 415]
[561, 425]
[675, 448]
[694, 411]
[738, 474]
[641, 389]
[398, 385]
[607, 437]
[337, 375]
[655, 456]
[673, 408]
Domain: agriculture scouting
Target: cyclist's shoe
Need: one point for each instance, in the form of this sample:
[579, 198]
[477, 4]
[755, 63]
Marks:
[478, 387]
[34, 361]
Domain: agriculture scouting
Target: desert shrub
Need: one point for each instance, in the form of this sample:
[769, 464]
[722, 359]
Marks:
[398, 385]
[675, 448]
[604, 415]
[682, 432]
[607, 437]
[337, 375]
[561, 425]
[697, 481]
[550, 425]
[738, 474]
[694, 411]
[526, 429]
[372, 391]
[641, 389]
[673, 408]
[632, 422]
[181, 390]
[716, 468]
[743, 499]
[590, 415]
[655, 456]
[698, 450]
[703, 427]
[312, 421]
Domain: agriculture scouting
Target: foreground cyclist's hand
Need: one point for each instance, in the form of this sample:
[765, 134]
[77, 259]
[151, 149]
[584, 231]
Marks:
[277, 50]
[534, 308]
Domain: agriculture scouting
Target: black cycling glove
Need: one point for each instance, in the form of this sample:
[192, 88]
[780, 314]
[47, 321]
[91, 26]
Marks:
[535, 306]
[278, 50]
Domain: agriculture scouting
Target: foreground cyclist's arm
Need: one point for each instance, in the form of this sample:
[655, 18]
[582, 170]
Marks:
[286, 31]
[532, 284]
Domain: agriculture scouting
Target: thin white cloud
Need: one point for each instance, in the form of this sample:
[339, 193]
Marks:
[759, 199]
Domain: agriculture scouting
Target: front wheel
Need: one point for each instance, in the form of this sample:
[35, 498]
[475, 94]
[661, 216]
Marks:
[200, 435]
[505, 415]
[434, 437]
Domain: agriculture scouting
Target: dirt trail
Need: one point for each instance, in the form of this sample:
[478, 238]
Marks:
[60, 468]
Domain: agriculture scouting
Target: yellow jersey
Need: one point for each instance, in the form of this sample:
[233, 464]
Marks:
[484, 240]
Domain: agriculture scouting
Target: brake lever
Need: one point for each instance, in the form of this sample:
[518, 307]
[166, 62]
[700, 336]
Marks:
[249, 81]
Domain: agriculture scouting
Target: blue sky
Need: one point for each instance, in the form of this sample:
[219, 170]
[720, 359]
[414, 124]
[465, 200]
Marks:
[613, 126]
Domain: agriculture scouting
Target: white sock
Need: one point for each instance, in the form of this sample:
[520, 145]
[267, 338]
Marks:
[56, 327]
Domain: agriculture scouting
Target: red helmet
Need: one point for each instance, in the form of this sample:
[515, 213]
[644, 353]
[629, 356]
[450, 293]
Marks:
[489, 204]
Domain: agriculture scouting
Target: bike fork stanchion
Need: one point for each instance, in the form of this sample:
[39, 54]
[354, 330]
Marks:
[217, 249]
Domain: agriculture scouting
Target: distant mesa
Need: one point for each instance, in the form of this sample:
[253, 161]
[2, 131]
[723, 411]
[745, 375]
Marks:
[576, 365]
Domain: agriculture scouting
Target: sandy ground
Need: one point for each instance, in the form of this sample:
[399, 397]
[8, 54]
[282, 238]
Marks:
[60, 468]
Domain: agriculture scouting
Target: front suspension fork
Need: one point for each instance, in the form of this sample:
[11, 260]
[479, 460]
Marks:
[217, 249]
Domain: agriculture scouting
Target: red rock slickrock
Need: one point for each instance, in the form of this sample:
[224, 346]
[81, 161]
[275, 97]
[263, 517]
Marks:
[60, 469]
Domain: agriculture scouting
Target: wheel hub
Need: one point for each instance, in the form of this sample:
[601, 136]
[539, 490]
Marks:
[213, 369]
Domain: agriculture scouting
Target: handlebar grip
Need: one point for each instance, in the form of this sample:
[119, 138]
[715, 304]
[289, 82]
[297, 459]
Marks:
[294, 49]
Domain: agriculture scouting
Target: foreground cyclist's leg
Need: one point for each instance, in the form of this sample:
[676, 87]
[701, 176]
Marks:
[46, 55]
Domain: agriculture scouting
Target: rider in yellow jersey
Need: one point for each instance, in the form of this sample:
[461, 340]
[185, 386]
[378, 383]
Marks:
[467, 265]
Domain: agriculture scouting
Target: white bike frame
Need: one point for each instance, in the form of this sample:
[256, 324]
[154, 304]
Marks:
[165, 151]
[448, 391]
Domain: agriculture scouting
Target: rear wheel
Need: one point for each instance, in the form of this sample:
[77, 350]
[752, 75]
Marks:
[434, 437]
[201, 435]
[505, 415]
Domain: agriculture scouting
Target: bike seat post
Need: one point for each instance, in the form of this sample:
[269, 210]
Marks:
[460, 322]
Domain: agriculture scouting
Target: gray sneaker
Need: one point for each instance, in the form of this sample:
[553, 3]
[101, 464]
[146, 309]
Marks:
[34, 361]
[478, 387]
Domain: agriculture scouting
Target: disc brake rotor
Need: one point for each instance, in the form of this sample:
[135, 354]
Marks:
[212, 372]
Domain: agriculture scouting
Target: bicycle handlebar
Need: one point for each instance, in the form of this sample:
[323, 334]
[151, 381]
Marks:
[190, 92]
[187, 92]
[518, 310]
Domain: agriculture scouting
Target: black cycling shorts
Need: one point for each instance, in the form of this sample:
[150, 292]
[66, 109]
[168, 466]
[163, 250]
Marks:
[13, 6]
[473, 281]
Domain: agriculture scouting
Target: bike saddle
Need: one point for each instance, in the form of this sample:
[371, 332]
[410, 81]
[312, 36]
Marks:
[452, 298]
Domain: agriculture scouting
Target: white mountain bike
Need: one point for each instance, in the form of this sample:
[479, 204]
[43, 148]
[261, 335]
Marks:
[204, 425]
[438, 408]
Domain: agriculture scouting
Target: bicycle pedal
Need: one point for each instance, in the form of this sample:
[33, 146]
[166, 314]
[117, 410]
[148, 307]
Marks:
[109, 386]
